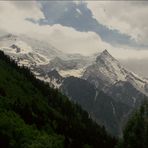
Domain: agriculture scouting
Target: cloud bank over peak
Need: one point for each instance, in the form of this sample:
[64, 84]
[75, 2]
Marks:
[14, 17]
[64, 38]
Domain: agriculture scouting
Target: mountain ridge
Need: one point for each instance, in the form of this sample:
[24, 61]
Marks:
[32, 114]
[103, 72]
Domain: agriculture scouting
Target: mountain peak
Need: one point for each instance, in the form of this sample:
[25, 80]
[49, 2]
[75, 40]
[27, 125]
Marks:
[104, 56]
[105, 53]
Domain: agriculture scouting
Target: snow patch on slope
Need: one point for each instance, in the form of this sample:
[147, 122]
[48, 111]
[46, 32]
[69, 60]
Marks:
[78, 10]
[138, 82]
[52, 82]
[73, 72]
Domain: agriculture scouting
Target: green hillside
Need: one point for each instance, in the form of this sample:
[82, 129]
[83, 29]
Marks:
[33, 115]
[135, 134]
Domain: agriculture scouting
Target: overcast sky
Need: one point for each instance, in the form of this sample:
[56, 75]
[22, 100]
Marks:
[120, 27]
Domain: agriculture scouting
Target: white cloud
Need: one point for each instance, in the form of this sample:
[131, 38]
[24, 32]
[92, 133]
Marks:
[13, 20]
[128, 17]
[64, 38]
[20, 9]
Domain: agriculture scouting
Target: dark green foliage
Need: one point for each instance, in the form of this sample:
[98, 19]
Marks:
[16, 134]
[136, 130]
[33, 115]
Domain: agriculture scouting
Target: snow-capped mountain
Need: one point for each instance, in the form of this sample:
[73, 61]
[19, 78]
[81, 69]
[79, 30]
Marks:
[107, 71]
[108, 91]
[21, 51]
[42, 58]
[103, 87]
[27, 50]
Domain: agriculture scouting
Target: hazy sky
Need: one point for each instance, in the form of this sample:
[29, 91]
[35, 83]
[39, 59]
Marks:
[120, 27]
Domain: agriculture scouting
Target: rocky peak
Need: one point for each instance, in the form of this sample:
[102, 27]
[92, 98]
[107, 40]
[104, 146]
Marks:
[106, 59]
[105, 56]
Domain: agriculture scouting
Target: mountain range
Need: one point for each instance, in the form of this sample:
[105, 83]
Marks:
[99, 83]
[34, 115]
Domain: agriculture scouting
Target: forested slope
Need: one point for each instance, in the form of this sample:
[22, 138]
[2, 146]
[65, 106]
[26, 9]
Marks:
[33, 115]
[135, 134]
